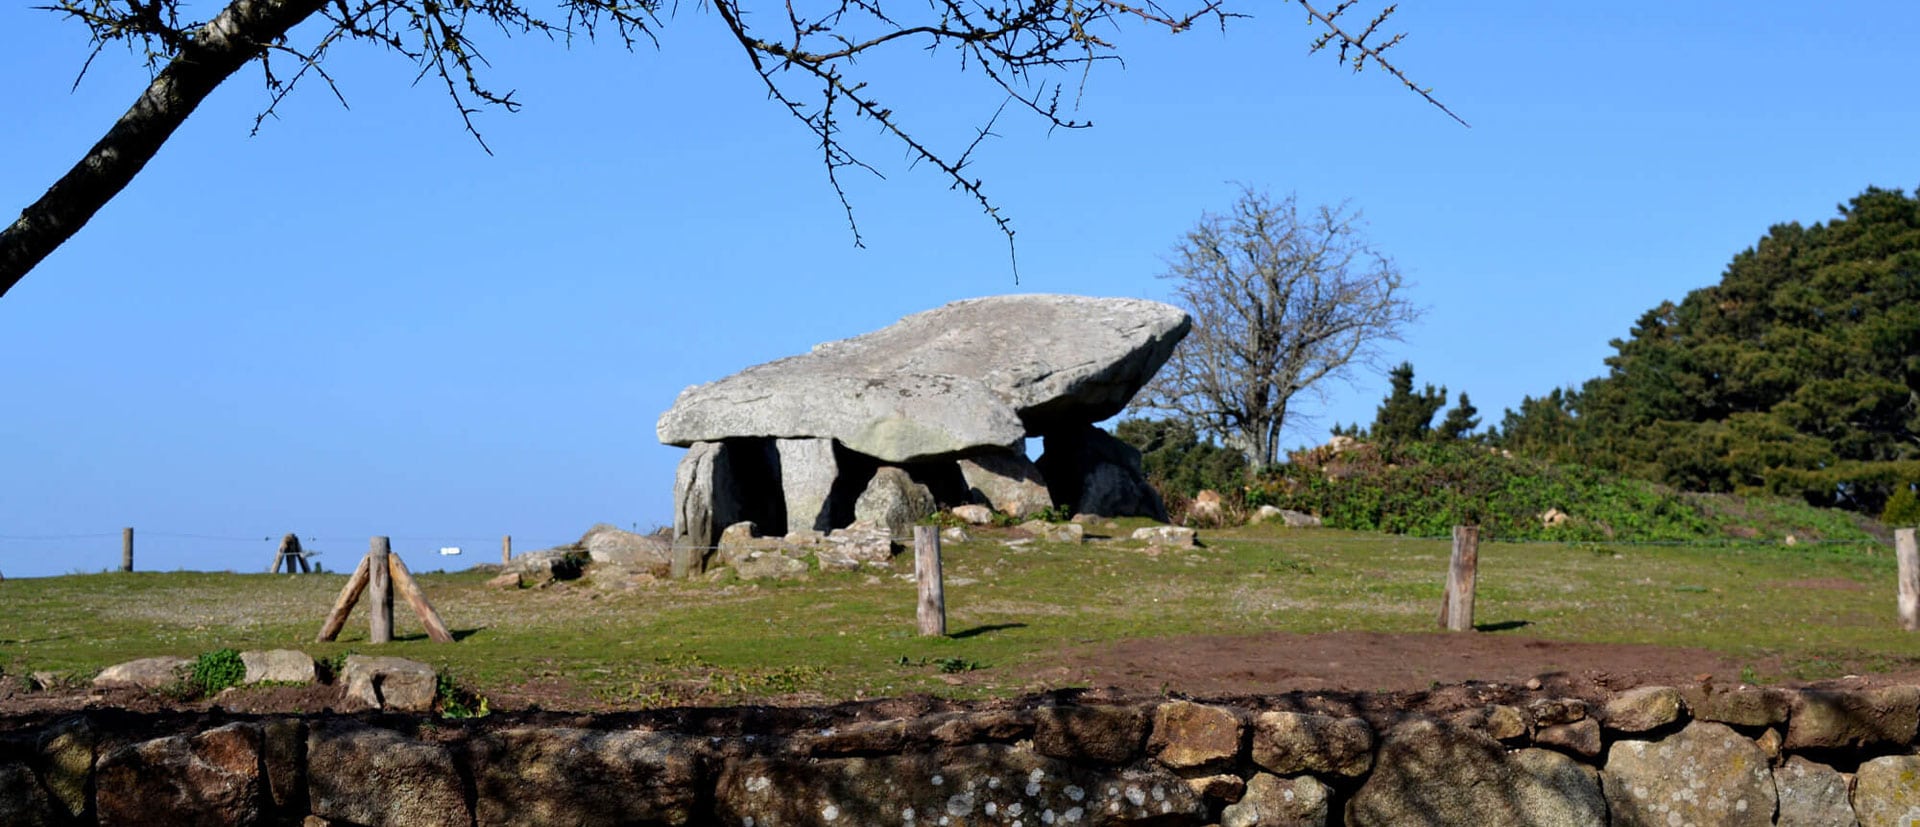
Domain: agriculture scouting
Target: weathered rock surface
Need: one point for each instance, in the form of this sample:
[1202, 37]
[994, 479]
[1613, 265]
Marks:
[1101, 734]
[1007, 481]
[1286, 743]
[971, 786]
[607, 545]
[1188, 735]
[892, 499]
[973, 514]
[973, 374]
[1703, 774]
[807, 472]
[1812, 795]
[1644, 708]
[145, 673]
[533, 776]
[379, 778]
[1886, 791]
[278, 665]
[388, 683]
[1055, 532]
[1841, 718]
[768, 565]
[546, 565]
[706, 499]
[212, 778]
[1098, 474]
[1430, 773]
[860, 544]
[1272, 801]
[1167, 535]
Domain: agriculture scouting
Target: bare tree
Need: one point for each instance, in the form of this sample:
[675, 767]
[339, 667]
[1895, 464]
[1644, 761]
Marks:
[805, 54]
[1280, 302]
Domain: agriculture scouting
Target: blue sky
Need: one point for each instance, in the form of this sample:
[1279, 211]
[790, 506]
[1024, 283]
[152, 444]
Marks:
[356, 322]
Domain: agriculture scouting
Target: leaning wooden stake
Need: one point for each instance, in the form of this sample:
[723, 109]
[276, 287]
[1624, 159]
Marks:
[403, 582]
[380, 588]
[926, 570]
[1456, 602]
[1907, 555]
[344, 605]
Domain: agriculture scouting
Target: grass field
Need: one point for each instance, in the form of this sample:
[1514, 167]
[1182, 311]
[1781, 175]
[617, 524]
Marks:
[1813, 609]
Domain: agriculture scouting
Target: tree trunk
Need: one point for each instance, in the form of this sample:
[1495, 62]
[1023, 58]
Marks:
[217, 50]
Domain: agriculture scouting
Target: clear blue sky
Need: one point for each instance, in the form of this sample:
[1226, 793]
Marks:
[358, 323]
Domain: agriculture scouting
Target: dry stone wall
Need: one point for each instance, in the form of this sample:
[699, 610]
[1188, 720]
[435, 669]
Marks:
[1650, 756]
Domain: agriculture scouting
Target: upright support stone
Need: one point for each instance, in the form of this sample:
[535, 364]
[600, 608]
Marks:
[1907, 556]
[380, 591]
[932, 608]
[807, 471]
[1008, 481]
[703, 506]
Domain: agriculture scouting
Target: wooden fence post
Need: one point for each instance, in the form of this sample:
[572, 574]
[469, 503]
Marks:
[1456, 601]
[1907, 556]
[380, 588]
[126, 549]
[506, 549]
[403, 582]
[926, 571]
[343, 606]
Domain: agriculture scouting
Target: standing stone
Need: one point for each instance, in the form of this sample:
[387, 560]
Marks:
[380, 778]
[1884, 792]
[1812, 795]
[1272, 801]
[212, 779]
[807, 471]
[1098, 474]
[1008, 481]
[1432, 773]
[894, 500]
[704, 503]
[1703, 774]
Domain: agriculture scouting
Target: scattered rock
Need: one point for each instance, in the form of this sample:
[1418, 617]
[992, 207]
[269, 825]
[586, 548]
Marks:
[212, 778]
[548, 565]
[1644, 708]
[973, 514]
[1271, 801]
[1055, 532]
[1188, 736]
[1299, 519]
[578, 776]
[1167, 535]
[1287, 743]
[892, 499]
[396, 684]
[279, 666]
[510, 580]
[1703, 774]
[610, 546]
[955, 534]
[1812, 795]
[768, 565]
[856, 545]
[146, 673]
[379, 778]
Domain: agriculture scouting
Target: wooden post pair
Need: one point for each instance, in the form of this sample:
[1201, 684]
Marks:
[381, 572]
[291, 555]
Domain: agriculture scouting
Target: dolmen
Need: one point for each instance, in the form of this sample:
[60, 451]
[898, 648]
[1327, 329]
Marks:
[937, 405]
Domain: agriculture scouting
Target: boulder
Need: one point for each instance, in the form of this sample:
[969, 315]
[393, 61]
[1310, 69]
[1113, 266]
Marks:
[279, 666]
[146, 673]
[973, 514]
[974, 374]
[972, 785]
[388, 683]
[1812, 795]
[1272, 801]
[1884, 792]
[741, 541]
[1287, 743]
[892, 499]
[1703, 774]
[1007, 481]
[807, 472]
[1098, 474]
[212, 778]
[610, 546]
[578, 776]
[1431, 773]
[1074, 533]
[1644, 708]
[379, 778]
[1191, 736]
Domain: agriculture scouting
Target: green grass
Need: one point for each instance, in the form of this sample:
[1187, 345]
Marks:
[1010, 610]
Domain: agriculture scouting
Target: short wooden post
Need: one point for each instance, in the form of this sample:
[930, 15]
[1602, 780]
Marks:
[380, 589]
[1907, 556]
[343, 605]
[126, 549]
[403, 582]
[1456, 602]
[926, 571]
[506, 549]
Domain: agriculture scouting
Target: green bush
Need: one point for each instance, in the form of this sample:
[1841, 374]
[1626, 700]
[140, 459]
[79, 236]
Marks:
[217, 670]
[1903, 508]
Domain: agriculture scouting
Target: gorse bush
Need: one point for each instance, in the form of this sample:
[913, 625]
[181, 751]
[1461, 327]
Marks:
[217, 670]
[1903, 508]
